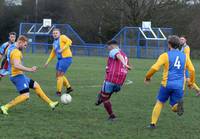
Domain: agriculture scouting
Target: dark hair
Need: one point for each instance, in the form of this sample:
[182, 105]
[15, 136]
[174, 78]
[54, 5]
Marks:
[12, 33]
[112, 42]
[183, 36]
[174, 41]
[56, 29]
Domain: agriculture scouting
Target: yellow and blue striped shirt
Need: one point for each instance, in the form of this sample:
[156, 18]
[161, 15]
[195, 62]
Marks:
[64, 43]
[175, 64]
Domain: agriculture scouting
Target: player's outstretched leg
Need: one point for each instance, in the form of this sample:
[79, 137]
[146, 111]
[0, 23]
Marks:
[99, 99]
[197, 89]
[59, 85]
[108, 106]
[19, 99]
[174, 108]
[155, 114]
[178, 108]
[66, 84]
[43, 96]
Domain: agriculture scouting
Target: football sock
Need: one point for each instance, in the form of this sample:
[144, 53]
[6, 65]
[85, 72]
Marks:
[99, 96]
[19, 99]
[156, 112]
[106, 102]
[108, 106]
[66, 82]
[41, 94]
[59, 83]
[196, 87]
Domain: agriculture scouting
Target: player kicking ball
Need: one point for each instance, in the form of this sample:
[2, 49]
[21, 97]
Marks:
[116, 71]
[17, 77]
[175, 63]
[61, 49]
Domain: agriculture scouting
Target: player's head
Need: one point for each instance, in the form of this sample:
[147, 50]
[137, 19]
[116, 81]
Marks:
[12, 37]
[183, 39]
[22, 42]
[173, 42]
[56, 33]
[112, 44]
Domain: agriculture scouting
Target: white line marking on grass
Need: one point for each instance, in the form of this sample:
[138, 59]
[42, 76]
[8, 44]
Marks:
[128, 82]
[90, 86]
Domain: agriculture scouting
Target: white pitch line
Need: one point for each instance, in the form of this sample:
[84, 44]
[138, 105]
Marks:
[94, 86]
[90, 86]
[128, 82]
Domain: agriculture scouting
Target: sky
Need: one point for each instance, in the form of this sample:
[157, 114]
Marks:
[16, 2]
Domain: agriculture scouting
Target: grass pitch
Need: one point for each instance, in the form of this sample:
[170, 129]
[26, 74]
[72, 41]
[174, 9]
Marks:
[82, 120]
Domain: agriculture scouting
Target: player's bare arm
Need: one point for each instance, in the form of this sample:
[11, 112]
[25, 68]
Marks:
[121, 58]
[19, 66]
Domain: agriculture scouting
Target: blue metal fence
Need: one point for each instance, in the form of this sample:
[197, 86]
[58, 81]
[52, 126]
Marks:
[42, 41]
[131, 41]
[136, 45]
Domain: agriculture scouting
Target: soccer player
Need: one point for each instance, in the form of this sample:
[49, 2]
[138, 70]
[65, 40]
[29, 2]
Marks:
[61, 49]
[186, 49]
[172, 85]
[116, 71]
[3, 50]
[17, 77]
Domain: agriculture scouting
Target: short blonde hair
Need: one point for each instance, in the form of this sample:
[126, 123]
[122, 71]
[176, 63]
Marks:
[22, 38]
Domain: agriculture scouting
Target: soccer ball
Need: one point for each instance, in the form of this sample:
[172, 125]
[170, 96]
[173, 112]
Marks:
[66, 99]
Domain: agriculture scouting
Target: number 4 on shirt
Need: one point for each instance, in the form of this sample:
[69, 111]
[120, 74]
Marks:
[177, 63]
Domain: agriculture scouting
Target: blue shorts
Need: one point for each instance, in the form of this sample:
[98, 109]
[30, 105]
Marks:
[63, 64]
[110, 88]
[187, 75]
[173, 94]
[21, 82]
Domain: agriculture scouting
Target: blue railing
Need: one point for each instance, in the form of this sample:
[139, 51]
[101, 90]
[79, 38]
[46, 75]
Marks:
[130, 39]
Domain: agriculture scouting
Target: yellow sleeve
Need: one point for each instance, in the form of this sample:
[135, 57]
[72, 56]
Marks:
[150, 73]
[16, 55]
[67, 41]
[191, 70]
[161, 61]
[187, 51]
[51, 56]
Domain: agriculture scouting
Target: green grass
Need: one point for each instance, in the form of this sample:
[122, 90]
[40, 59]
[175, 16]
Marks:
[82, 120]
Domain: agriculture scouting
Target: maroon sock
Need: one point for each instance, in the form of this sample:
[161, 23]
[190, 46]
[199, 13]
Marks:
[108, 107]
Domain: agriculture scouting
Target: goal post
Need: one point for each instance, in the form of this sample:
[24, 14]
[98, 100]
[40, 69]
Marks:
[40, 35]
[146, 28]
[45, 28]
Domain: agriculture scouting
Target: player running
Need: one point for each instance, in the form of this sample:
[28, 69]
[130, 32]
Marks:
[3, 50]
[17, 77]
[61, 49]
[116, 71]
[172, 85]
[186, 49]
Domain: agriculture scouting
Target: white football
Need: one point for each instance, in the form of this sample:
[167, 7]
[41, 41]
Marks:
[66, 99]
